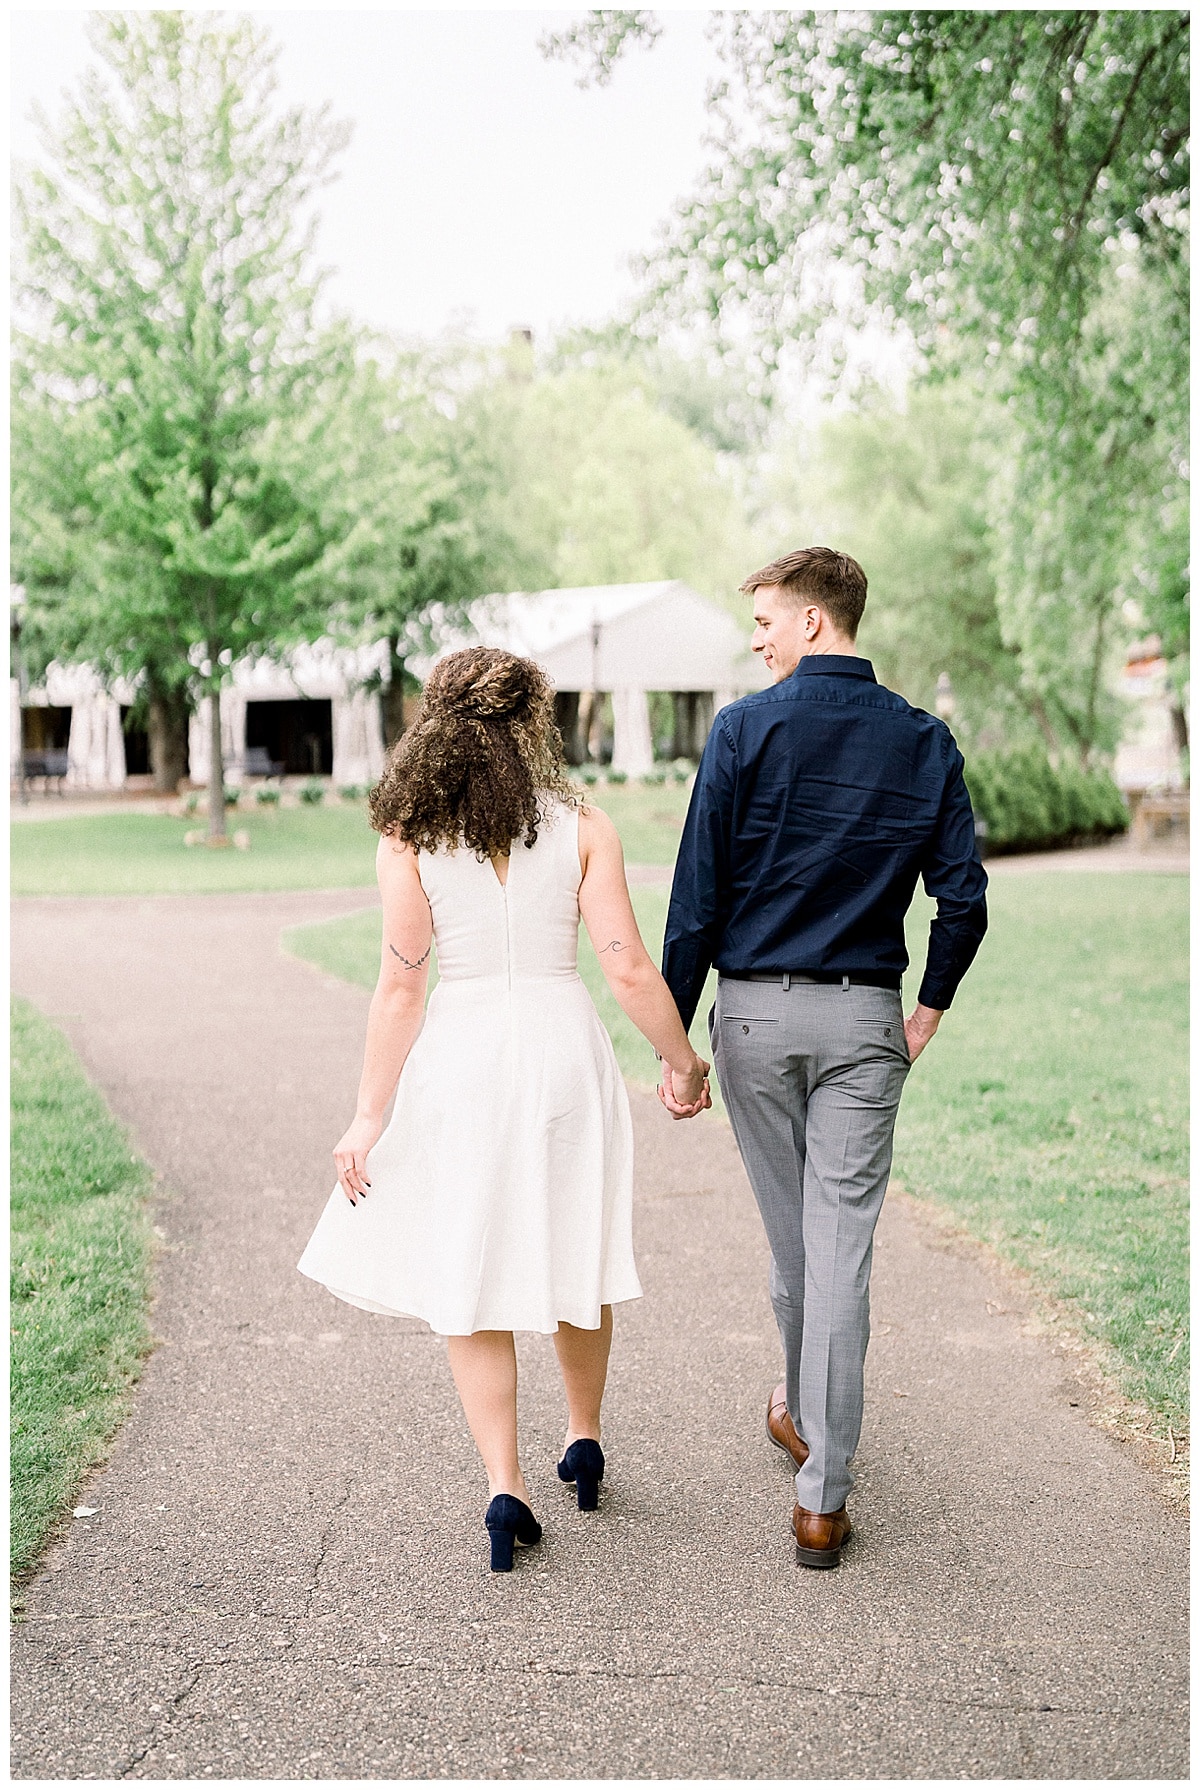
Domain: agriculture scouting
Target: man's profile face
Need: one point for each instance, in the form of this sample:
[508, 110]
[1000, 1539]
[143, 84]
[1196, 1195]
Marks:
[783, 630]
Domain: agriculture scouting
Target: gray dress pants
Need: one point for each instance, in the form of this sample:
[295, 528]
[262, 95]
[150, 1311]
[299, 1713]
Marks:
[812, 1075]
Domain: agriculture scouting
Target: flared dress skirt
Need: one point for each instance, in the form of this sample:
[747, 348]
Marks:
[501, 1190]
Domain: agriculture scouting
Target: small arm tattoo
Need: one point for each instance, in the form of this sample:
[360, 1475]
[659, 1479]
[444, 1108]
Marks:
[616, 945]
[404, 960]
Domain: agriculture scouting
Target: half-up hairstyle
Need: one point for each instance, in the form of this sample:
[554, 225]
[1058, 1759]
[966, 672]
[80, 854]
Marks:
[480, 761]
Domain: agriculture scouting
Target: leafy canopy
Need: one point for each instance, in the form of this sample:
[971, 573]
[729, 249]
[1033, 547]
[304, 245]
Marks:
[176, 396]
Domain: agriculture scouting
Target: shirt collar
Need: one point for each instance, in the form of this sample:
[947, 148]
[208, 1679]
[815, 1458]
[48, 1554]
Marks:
[836, 665]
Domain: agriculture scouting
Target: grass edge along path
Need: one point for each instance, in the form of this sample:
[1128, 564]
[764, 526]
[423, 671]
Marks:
[81, 1251]
[1048, 1118]
[330, 846]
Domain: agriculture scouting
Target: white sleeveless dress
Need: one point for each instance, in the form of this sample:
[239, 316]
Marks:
[502, 1190]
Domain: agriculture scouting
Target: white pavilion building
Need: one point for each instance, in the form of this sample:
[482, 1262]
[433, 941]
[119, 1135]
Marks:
[318, 713]
[623, 641]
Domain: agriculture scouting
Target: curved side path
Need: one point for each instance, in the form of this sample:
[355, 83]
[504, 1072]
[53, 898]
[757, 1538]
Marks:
[286, 1577]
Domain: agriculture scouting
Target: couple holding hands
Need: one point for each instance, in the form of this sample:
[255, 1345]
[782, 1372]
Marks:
[818, 804]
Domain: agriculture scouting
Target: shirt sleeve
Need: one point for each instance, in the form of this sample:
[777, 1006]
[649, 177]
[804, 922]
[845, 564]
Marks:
[700, 890]
[955, 878]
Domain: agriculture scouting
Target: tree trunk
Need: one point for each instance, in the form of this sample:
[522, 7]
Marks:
[1179, 726]
[167, 728]
[1093, 695]
[216, 764]
[1037, 709]
[566, 715]
[393, 695]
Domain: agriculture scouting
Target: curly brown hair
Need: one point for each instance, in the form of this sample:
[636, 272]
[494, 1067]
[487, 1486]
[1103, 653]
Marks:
[480, 761]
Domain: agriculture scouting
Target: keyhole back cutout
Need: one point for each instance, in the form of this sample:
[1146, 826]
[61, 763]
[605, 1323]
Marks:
[501, 873]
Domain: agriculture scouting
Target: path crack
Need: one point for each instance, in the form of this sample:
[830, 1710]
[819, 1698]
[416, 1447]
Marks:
[323, 1544]
[163, 1728]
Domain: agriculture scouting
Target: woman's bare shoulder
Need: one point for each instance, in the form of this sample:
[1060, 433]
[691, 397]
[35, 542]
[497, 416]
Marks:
[395, 860]
[597, 835]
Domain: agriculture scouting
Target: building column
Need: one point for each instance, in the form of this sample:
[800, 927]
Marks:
[198, 742]
[358, 750]
[233, 738]
[633, 748]
[95, 748]
[233, 735]
[114, 747]
[15, 737]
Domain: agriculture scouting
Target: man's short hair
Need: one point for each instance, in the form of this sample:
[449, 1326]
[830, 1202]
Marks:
[819, 575]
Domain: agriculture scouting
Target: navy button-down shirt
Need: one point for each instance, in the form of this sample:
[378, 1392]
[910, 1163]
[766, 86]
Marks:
[818, 803]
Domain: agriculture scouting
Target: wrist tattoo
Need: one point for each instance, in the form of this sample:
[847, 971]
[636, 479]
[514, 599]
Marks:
[404, 960]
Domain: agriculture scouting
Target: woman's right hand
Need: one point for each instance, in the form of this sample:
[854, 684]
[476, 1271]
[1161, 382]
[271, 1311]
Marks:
[350, 1157]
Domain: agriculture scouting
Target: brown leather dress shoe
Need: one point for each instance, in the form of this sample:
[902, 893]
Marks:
[819, 1538]
[781, 1430]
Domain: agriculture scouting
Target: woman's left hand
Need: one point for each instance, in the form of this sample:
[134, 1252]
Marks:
[350, 1157]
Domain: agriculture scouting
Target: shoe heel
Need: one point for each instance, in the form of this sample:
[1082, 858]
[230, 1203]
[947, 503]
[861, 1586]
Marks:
[588, 1490]
[823, 1559]
[507, 1521]
[584, 1463]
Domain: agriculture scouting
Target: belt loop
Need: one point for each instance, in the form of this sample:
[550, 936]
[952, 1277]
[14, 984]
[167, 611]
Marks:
[787, 979]
[845, 984]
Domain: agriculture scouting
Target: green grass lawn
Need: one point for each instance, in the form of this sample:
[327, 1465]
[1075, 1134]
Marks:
[80, 1265]
[1050, 1113]
[144, 854]
[290, 848]
[648, 816]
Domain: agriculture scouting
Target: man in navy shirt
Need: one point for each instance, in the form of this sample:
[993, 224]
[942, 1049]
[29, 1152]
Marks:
[818, 804]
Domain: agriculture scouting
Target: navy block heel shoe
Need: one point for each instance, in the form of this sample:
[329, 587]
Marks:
[508, 1521]
[584, 1463]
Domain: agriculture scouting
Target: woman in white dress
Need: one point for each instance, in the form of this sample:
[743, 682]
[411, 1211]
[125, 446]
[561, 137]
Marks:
[499, 1197]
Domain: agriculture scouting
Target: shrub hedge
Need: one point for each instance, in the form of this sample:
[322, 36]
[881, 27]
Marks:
[1029, 804]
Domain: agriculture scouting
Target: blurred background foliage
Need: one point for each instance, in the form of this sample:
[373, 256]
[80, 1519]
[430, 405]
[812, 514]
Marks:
[206, 463]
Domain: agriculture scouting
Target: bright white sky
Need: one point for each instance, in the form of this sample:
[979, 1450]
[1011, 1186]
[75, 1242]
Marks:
[482, 185]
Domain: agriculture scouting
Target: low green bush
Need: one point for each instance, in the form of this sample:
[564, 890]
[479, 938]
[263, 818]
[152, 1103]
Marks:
[267, 796]
[312, 792]
[1029, 804]
[618, 777]
[354, 792]
[231, 795]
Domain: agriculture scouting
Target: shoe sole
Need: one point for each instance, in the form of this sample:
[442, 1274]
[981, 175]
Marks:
[822, 1559]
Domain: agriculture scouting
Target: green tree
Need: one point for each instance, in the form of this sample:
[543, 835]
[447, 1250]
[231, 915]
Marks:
[982, 180]
[85, 601]
[594, 481]
[170, 337]
[907, 493]
[1091, 513]
[411, 512]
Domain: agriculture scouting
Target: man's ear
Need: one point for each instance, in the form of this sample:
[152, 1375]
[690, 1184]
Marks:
[812, 621]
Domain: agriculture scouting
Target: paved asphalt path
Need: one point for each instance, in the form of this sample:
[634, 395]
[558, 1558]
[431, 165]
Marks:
[286, 1577]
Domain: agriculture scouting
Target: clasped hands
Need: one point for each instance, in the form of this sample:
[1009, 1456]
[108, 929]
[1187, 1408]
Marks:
[685, 1093]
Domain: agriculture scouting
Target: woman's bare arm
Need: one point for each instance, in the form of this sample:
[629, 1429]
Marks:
[397, 1007]
[635, 981]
